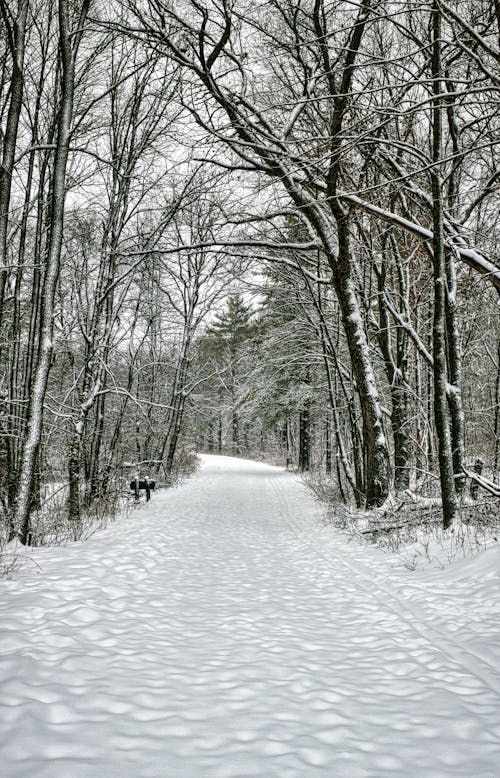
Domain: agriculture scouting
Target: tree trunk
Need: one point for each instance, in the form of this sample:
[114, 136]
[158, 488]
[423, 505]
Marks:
[439, 320]
[210, 436]
[68, 48]
[377, 472]
[400, 428]
[454, 393]
[16, 29]
[395, 368]
[74, 479]
[177, 400]
[304, 437]
[328, 446]
[496, 429]
[220, 429]
[235, 431]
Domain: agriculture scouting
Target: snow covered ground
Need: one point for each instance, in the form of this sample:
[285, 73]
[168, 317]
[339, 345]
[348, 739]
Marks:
[223, 631]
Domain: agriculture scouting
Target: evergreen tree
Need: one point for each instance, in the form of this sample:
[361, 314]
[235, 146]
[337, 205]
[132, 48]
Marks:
[226, 338]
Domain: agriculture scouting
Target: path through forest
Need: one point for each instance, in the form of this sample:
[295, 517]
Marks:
[223, 631]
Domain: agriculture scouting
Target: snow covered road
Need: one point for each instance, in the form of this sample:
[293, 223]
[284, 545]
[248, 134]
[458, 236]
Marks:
[224, 632]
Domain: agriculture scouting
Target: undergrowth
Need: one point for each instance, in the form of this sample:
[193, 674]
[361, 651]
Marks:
[51, 526]
[412, 528]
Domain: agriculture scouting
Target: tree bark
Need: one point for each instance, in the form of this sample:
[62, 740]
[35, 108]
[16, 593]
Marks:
[445, 455]
[15, 34]
[496, 429]
[304, 437]
[74, 478]
[69, 42]
[177, 401]
[396, 371]
[377, 473]
[454, 392]
[328, 446]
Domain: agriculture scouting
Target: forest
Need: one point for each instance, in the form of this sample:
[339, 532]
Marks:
[266, 229]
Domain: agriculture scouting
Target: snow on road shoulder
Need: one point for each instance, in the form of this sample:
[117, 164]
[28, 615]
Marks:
[223, 631]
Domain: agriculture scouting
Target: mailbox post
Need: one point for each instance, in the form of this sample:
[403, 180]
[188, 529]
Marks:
[146, 484]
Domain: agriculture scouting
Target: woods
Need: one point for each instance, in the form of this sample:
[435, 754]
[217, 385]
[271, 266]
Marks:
[268, 230]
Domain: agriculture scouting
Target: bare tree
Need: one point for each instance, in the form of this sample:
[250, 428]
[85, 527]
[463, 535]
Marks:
[71, 23]
[211, 48]
[14, 17]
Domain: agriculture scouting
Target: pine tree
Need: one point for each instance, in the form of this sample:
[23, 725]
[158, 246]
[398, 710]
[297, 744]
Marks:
[227, 336]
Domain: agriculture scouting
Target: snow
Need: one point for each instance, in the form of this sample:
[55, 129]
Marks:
[225, 631]
[470, 256]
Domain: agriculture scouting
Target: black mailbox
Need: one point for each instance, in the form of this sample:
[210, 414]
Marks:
[146, 484]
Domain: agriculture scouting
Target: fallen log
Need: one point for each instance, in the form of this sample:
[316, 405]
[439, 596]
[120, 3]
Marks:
[483, 482]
